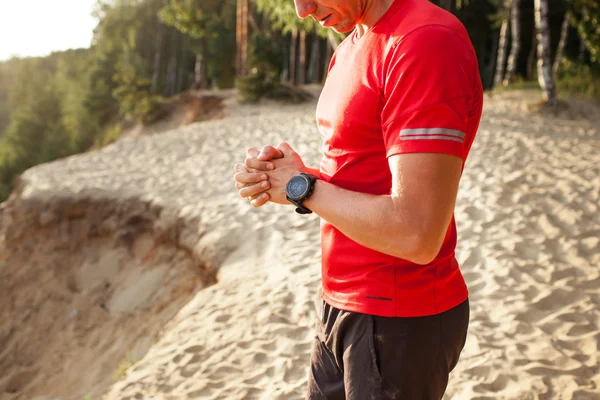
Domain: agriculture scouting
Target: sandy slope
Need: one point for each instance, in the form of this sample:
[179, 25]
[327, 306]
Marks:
[529, 244]
[529, 228]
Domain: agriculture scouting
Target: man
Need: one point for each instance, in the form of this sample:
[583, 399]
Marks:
[398, 114]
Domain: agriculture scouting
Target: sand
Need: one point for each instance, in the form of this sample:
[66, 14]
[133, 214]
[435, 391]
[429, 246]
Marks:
[529, 228]
[529, 245]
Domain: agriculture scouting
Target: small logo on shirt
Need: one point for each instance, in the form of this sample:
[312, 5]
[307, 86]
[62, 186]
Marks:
[379, 298]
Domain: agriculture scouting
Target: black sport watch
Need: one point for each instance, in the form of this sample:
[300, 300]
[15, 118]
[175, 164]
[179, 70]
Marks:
[298, 189]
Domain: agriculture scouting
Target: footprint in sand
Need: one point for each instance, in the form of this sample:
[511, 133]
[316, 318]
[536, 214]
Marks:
[480, 372]
[259, 358]
[177, 358]
[187, 372]
[244, 345]
[224, 371]
[297, 268]
[585, 395]
[497, 385]
[194, 349]
[582, 330]
[223, 318]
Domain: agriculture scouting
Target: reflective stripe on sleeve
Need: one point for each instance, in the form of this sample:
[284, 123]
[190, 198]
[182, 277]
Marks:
[432, 134]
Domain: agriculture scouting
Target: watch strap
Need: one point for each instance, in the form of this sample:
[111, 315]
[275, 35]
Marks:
[303, 210]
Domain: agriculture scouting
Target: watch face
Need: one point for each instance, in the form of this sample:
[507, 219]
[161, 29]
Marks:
[297, 187]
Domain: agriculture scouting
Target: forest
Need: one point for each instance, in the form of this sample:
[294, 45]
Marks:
[145, 52]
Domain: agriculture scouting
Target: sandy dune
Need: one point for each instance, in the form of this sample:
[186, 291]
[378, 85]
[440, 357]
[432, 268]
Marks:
[529, 229]
[529, 244]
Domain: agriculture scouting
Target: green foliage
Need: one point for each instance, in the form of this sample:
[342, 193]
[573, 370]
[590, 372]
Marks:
[8, 169]
[37, 133]
[109, 134]
[6, 79]
[78, 120]
[253, 87]
[579, 79]
[99, 99]
[209, 26]
[264, 63]
[282, 14]
[256, 85]
[133, 95]
[192, 17]
[585, 15]
[265, 55]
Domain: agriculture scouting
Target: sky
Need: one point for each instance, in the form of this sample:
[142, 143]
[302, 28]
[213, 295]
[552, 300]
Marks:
[39, 27]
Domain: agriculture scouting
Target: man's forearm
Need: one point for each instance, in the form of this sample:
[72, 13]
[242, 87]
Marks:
[376, 222]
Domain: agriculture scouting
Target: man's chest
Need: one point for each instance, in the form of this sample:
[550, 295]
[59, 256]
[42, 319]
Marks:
[350, 106]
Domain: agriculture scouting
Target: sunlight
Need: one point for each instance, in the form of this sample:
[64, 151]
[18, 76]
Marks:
[39, 27]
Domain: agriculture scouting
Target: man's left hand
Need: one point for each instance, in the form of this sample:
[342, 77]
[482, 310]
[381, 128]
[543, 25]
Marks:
[284, 169]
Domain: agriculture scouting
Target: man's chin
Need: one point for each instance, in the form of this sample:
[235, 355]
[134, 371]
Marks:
[342, 29]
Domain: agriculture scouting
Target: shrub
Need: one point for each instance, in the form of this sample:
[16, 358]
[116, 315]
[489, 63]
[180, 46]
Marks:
[579, 79]
[253, 87]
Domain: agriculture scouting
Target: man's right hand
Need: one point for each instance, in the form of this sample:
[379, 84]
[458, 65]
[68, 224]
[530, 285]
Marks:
[251, 184]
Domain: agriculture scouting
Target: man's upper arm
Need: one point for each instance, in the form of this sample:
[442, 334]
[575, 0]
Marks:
[427, 87]
[427, 90]
[426, 185]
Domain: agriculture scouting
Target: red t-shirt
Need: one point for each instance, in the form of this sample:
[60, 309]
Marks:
[409, 85]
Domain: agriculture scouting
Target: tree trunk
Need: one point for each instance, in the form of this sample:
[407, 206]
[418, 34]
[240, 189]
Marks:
[156, 67]
[488, 74]
[545, 77]
[302, 72]
[582, 49]
[502, 47]
[182, 73]
[242, 36]
[293, 51]
[238, 38]
[315, 60]
[198, 72]
[515, 24]
[245, 38]
[531, 59]
[582, 44]
[172, 68]
[561, 44]
[254, 24]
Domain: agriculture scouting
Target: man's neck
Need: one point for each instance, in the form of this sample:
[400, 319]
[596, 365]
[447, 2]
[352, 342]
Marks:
[374, 10]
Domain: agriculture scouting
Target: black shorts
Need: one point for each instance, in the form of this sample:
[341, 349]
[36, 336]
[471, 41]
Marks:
[360, 357]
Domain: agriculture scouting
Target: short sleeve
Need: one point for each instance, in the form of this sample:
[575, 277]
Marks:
[428, 80]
